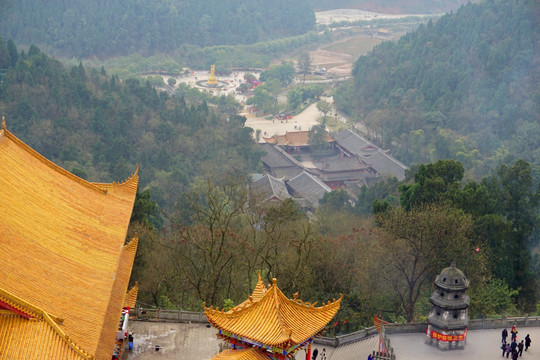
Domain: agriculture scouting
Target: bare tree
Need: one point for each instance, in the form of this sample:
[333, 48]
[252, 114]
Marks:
[304, 63]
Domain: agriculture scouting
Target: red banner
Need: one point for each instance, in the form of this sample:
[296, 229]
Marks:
[442, 337]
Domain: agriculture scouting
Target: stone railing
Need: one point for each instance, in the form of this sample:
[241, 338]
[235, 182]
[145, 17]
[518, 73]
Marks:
[347, 338]
[170, 315]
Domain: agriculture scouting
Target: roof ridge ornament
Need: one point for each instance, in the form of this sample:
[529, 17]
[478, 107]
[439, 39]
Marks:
[3, 122]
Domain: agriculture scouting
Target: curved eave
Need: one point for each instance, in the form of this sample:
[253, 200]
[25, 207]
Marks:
[36, 312]
[275, 320]
[131, 296]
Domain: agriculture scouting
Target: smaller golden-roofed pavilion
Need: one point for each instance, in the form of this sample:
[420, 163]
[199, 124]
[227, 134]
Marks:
[270, 324]
[65, 264]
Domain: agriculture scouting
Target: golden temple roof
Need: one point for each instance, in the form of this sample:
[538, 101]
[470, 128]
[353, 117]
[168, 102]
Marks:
[62, 250]
[131, 296]
[274, 320]
[241, 354]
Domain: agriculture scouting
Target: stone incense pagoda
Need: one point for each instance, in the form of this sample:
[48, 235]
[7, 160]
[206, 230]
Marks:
[268, 325]
[448, 319]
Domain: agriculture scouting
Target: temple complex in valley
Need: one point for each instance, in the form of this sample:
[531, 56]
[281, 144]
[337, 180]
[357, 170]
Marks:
[268, 325]
[65, 265]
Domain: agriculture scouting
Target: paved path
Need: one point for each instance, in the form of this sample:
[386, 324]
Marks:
[303, 121]
[177, 341]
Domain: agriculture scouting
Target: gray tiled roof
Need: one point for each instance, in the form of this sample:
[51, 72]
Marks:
[386, 165]
[275, 157]
[286, 173]
[339, 164]
[268, 186]
[352, 142]
[307, 186]
[370, 154]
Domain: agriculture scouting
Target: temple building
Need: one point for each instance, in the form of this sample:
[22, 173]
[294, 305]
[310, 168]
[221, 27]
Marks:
[448, 319]
[65, 264]
[268, 325]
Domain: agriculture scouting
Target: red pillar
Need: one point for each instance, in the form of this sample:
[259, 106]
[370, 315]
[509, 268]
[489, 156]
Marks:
[308, 352]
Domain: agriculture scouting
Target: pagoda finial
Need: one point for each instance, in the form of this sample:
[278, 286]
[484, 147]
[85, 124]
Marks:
[3, 123]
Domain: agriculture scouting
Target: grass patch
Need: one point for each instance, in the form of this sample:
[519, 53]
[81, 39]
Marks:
[357, 46]
[333, 124]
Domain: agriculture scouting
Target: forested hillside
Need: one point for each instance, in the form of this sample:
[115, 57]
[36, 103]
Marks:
[105, 28]
[100, 127]
[465, 88]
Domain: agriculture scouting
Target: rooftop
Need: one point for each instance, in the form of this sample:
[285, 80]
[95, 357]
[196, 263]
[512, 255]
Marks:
[62, 248]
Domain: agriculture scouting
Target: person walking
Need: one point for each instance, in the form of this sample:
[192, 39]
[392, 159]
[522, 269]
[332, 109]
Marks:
[513, 346]
[520, 348]
[527, 342]
[514, 355]
[508, 350]
[315, 353]
[503, 347]
[504, 335]
[323, 354]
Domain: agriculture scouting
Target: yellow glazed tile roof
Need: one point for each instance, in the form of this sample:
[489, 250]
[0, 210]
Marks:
[274, 320]
[62, 244]
[23, 327]
[131, 296]
[243, 354]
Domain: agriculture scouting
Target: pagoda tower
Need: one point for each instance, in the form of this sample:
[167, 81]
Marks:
[268, 325]
[448, 319]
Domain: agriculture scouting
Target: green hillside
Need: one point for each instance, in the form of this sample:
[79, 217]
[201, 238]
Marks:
[105, 28]
[83, 119]
[465, 88]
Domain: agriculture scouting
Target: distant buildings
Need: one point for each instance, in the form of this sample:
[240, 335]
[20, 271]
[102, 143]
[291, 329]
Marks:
[347, 161]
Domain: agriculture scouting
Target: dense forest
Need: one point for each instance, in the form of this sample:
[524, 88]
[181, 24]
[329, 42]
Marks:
[100, 127]
[105, 28]
[225, 234]
[465, 88]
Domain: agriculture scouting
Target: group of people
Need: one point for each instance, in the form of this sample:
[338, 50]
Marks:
[316, 353]
[514, 347]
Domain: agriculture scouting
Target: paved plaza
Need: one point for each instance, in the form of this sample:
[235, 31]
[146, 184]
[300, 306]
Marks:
[481, 345]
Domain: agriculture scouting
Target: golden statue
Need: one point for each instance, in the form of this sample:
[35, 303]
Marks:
[212, 80]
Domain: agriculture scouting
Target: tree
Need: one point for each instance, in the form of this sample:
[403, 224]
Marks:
[205, 251]
[284, 73]
[146, 211]
[317, 136]
[304, 63]
[324, 107]
[229, 105]
[415, 245]
[434, 182]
